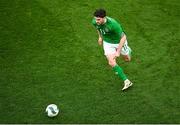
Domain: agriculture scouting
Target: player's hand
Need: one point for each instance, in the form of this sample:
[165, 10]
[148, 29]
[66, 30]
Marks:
[117, 54]
[100, 41]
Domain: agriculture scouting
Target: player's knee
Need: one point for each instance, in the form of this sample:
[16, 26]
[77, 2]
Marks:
[127, 58]
[112, 63]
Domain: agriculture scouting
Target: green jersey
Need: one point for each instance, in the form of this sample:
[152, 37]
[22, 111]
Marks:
[110, 31]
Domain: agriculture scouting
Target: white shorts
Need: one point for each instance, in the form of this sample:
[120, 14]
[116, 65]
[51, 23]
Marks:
[110, 48]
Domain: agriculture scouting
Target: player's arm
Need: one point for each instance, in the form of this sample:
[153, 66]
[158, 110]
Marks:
[100, 40]
[118, 30]
[121, 43]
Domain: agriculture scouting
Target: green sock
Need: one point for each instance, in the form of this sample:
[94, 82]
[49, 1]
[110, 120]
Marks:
[120, 72]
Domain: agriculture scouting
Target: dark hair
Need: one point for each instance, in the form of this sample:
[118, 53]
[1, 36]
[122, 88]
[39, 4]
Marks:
[100, 13]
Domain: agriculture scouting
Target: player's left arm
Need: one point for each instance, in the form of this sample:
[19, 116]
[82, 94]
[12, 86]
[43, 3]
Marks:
[121, 43]
[117, 29]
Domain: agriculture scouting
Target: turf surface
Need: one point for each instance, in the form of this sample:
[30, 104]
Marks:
[49, 54]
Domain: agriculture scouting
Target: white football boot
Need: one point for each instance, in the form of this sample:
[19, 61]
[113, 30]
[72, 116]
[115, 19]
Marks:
[127, 84]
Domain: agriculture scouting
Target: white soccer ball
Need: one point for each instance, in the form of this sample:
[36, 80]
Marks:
[52, 110]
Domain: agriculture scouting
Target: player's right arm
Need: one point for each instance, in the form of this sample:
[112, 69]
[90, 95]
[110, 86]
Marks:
[100, 40]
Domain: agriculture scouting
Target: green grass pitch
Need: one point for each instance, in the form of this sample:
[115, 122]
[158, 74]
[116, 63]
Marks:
[49, 54]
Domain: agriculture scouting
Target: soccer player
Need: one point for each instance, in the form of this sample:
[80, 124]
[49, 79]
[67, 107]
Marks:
[113, 38]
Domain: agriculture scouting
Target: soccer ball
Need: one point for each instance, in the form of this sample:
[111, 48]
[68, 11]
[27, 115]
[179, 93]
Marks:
[52, 110]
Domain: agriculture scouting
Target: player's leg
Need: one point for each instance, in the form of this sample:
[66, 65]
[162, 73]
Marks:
[127, 58]
[119, 71]
[109, 51]
[116, 68]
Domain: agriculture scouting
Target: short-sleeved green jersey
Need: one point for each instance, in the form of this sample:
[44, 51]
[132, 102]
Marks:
[110, 31]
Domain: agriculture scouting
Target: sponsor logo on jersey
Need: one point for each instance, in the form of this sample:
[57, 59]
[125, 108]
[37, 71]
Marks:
[106, 30]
